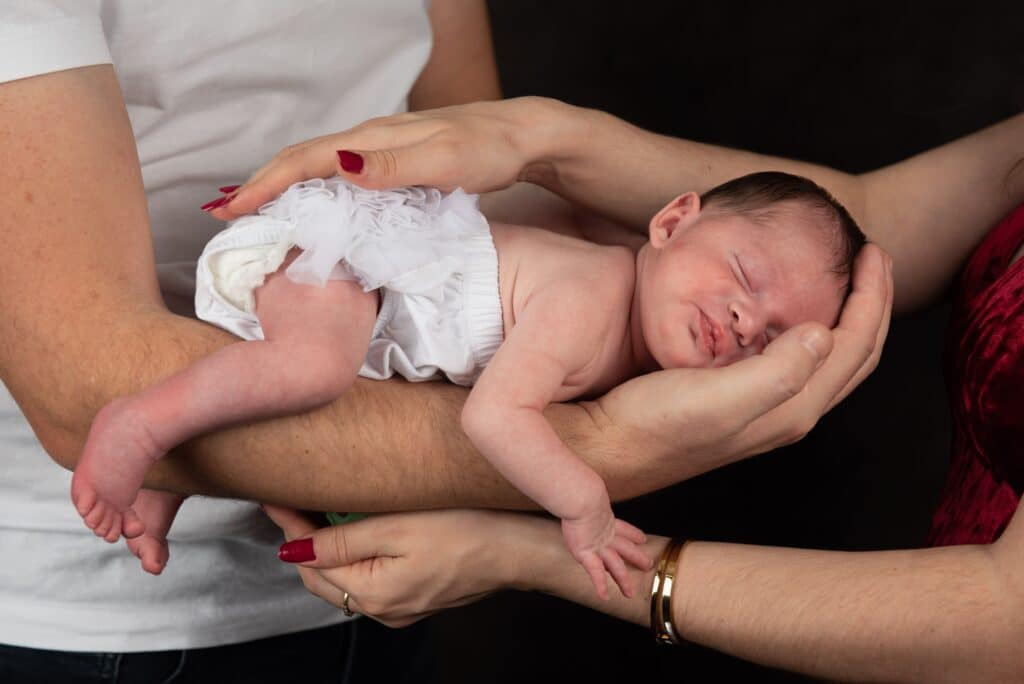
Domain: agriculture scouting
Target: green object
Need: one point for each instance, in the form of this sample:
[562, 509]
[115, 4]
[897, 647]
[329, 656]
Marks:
[342, 518]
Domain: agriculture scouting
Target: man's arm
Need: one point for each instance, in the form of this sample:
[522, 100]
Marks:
[83, 323]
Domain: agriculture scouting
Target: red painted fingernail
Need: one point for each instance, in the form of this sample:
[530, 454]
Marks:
[298, 551]
[213, 204]
[350, 161]
[229, 188]
[217, 203]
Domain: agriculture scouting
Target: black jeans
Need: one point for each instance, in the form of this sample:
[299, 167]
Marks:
[350, 653]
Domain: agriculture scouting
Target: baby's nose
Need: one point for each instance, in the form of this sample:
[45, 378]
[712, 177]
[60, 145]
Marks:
[748, 324]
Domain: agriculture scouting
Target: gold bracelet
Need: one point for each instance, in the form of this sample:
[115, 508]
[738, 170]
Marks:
[661, 593]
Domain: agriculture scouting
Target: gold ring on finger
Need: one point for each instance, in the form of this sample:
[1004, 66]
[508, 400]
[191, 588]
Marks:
[344, 606]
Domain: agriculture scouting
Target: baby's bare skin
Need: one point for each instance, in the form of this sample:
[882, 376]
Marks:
[328, 330]
[579, 318]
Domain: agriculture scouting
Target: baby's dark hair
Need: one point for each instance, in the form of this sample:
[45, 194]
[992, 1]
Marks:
[756, 195]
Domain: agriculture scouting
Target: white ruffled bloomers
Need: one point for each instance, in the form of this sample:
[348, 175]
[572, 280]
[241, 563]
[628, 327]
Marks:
[430, 254]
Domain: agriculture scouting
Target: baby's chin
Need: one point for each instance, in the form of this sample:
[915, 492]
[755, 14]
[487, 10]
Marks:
[685, 361]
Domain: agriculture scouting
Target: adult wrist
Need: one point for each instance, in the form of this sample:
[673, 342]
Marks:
[549, 133]
[663, 589]
[534, 553]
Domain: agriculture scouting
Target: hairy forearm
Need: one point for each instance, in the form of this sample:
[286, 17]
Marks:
[83, 324]
[382, 446]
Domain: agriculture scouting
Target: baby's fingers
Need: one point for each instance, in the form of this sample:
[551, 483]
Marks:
[631, 553]
[624, 529]
[594, 566]
[617, 569]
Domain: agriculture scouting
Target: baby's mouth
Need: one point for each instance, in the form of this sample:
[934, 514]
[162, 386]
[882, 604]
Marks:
[708, 337]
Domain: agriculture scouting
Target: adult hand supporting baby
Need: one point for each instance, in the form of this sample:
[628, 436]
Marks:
[713, 417]
[402, 567]
[763, 402]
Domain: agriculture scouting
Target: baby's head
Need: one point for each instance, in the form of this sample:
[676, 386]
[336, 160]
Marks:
[726, 272]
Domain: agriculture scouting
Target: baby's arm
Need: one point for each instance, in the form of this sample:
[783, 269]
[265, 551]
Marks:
[556, 337]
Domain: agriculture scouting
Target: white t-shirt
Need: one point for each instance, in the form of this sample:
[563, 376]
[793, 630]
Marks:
[213, 88]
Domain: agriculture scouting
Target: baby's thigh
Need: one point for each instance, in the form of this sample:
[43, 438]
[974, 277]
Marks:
[338, 309]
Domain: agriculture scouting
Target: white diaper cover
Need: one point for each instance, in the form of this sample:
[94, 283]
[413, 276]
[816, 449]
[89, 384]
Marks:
[431, 255]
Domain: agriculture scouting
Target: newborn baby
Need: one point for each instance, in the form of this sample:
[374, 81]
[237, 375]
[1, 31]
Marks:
[331, 280]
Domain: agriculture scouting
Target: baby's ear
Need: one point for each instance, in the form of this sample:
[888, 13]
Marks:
[679, 214]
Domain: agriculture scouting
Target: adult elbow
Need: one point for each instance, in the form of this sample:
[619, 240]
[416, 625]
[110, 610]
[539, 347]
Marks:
[62, 442]
[473, 417]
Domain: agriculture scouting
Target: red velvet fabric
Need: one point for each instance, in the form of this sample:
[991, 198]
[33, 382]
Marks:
[985, 378]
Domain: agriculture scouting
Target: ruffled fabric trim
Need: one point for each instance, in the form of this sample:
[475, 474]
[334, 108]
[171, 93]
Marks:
[408, 240]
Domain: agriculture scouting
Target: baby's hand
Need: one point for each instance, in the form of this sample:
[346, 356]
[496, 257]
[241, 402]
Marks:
[600, 542]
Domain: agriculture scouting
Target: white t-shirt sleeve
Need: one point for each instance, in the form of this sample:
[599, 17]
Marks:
[42, 36]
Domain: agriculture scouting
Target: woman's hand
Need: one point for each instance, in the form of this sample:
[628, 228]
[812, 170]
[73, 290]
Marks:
[479, 147]
[399, 568]
[699, 419]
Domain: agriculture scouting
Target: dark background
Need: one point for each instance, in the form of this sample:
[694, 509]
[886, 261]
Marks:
[850, 85]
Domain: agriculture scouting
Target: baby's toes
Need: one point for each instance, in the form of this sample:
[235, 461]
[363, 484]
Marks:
[96, 515]
[154, 554]
[114, 531]
[84, 500]
[131, 525]
[104, 525]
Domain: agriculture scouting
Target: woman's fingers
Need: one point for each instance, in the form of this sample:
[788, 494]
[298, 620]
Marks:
[293, 523]
[861, 328]
[692, 408]
[337, 545]
[880, 335]
[761, 383]
[318, 585]
[375, 158]
[476, 146]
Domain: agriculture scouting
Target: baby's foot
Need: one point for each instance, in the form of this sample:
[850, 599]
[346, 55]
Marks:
[118, 453]
[157, 511]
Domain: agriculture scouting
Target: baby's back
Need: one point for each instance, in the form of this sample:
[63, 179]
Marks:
[586, 291]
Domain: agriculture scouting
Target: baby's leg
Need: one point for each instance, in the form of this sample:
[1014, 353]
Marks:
[316, 340]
